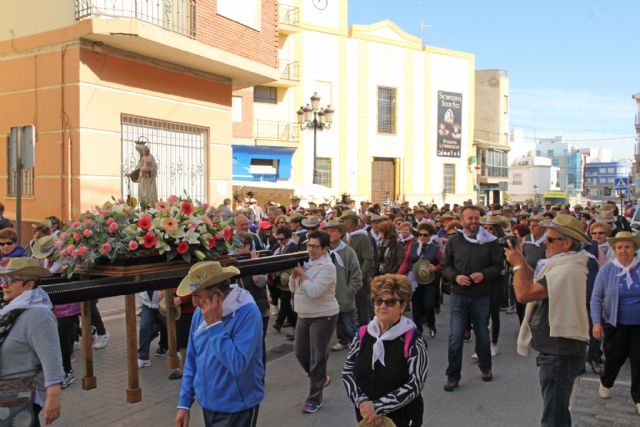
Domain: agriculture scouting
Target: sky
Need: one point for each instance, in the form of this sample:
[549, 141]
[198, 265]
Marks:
[572, 64]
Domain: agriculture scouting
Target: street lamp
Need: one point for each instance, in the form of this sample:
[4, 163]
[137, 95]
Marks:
[535, 194]
[318, 119]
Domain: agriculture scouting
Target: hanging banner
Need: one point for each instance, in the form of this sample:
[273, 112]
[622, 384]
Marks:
[449, 124]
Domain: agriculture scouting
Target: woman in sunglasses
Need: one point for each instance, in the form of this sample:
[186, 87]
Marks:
[9, 247]
[387, 364]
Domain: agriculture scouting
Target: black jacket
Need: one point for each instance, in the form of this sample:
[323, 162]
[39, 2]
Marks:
[464, 257]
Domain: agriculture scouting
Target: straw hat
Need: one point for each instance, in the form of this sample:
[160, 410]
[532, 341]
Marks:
[537, 218]
[44, 247]
[311, 222]
[567, 225]
[162, 308]
[625, 235]
[378, 218]
[335, 223]
[489, 220]
[294, 216]
[386, 422]
[349, 214]
[421, 272]
[605, 216]
[25, 267]
[205, 274]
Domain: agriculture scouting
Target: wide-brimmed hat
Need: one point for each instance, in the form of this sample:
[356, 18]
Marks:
[335, 223]
[537, 218]
[378, 218]
[489, 220]
[605, 216]
[205, 274]
[447, 215]
[162, 308]
[294, 216]
[421, 272]
[294, 197]
[25, 267]
[386, 422]
[349, 214]
[44, 246]
[625, 235]
[311, 222]
[567, 225]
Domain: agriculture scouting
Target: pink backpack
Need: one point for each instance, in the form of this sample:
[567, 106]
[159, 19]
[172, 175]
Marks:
[407, 339]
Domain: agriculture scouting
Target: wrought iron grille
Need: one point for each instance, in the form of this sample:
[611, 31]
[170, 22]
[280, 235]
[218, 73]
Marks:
[289, 15]
[281, 131]
[27, 182]
[174, 15]
[289, 70]
[179, 150]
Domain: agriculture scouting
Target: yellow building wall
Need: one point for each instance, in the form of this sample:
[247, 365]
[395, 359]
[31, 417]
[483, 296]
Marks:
[20, 18]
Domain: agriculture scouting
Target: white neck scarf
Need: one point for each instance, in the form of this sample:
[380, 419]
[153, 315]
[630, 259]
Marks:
[373, 328]
[626, 271]
[28, 299]
[338, 258]
[482, 237]
[536, 242]
[604, 246]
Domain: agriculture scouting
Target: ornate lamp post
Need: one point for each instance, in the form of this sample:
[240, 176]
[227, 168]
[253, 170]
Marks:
[535, 194]
[318, 119]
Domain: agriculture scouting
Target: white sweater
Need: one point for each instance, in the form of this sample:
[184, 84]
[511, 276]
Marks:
[316, 296]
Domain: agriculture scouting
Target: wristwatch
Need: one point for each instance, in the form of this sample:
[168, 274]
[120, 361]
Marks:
[517, 267]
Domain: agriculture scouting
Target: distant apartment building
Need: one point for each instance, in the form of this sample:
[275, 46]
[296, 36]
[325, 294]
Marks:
[97, 76]
[403, 116]
[568, 160]
[531, 176]
[601, 178]
[491, 135]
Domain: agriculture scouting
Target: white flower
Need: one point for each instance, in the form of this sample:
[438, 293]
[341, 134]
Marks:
[192, 236]
[162, 246]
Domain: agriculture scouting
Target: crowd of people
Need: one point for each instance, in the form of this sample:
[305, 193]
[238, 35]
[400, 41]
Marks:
[571, 276]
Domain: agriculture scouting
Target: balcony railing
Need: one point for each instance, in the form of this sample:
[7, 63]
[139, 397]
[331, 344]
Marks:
[174, 15]
[494, 171]
[277, 131]
[491, 137]
[289, 70]
[289, 15]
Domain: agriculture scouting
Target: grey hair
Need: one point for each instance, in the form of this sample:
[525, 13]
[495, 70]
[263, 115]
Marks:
[223, 286]
[576, 246]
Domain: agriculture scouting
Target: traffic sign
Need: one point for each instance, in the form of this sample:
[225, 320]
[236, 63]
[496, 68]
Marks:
[622, 184]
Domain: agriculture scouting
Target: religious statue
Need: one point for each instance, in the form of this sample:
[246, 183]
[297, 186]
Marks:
[145, 175]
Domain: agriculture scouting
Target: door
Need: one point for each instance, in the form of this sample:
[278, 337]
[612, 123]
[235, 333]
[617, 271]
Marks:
[383, 180]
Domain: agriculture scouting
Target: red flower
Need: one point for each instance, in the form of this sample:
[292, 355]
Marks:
[212, 242]
[228, 233]
[87, 233]
[113, 227]
[133, 245]
[105, 248]
[76, 236]
[186, 208]
[183, 248]
[149, 240]
[82, 250]
[145, 222]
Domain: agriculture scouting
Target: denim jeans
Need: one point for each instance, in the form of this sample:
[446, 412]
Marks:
[346, 328]
[557, 375]
[463, 309]
[148, 317]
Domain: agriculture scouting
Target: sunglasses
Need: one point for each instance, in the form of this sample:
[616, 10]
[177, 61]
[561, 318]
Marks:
[313, 246]
[7, 280]
[424, 235]
[391, 302]
[553, 239]
[7, 243]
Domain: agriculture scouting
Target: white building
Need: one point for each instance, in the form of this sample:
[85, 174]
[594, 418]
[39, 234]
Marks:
[531, 176]
[519, 146]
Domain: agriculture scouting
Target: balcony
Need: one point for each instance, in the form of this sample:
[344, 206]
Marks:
[276, 134]
[486, 138]
[289, 74]
[288, 18]
[178, 16]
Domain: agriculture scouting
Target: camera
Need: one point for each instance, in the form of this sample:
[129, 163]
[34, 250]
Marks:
[502, 241]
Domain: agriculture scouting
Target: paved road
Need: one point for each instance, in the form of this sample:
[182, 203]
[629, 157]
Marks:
[511, 400]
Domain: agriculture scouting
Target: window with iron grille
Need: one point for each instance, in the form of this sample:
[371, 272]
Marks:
[265, 94]
[449, 178]
[323, 172]
[179, 150]
[387, 110]
[12, 178]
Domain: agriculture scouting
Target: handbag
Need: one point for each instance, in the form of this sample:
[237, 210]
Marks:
[16, 396]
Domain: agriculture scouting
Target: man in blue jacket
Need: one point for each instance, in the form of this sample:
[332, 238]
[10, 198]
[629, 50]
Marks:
[224, 368]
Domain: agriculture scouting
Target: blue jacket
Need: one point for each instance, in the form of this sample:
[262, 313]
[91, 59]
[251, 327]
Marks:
[604, 300]
[224, 368]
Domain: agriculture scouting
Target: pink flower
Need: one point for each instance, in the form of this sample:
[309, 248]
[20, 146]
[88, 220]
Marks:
[105, 248]
[69, 249]
[74, 253]
[149, 240]
[82, 250]
[191, 226]
[169, 224]
[103, 211]
[172, 199]
[110, 220]
[113, 227]
[183, 248]
[133, 245]
[59, 243]
[145, 222]
[87, 232]
[218, 236]
[120, 201]
[162, 206]
[64, 235]
[76, 236]
[75, 224]
[186, 208]
[88, 222]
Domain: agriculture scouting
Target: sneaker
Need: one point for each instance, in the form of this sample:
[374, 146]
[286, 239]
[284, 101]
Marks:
[327, 381]
[638, 408]
[494, 350]
[486, 376]
[161, 352]
[175, 375]
[310, 408]
[432, 332]
[69, 377]
[604, 392]
[474, 358]
[144, 363]
[337, 347]
[451, 385]
[101, 341]
[511, 309]
[277, 327]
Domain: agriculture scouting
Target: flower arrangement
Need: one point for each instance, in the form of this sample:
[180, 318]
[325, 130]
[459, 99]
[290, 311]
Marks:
[176, 227]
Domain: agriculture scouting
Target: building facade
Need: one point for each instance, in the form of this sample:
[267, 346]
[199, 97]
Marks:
[569, 160]
[491, 135]
[531, 176]
[403, 122]
[94, 77]
[601, 178]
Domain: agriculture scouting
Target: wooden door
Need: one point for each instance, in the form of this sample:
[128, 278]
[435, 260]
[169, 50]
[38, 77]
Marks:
[383, 180]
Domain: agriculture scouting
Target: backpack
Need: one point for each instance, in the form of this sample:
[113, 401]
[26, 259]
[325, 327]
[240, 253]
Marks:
[407, 339]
